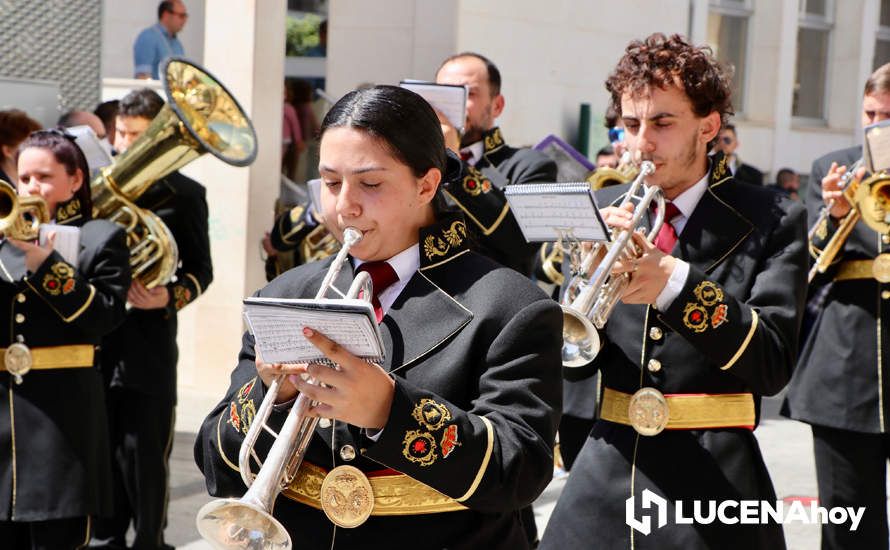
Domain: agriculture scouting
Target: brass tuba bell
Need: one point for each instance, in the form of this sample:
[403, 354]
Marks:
[200, 116]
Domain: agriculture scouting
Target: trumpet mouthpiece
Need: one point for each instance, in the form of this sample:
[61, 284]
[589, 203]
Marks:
[351, 236]
[647, 167]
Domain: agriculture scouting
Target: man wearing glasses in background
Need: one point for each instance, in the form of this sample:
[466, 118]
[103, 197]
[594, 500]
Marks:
[159, 41]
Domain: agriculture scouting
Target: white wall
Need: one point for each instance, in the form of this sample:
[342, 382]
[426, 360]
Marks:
[555, 55]
[122, 20]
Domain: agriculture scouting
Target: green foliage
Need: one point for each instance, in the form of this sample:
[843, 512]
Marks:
[302, 34]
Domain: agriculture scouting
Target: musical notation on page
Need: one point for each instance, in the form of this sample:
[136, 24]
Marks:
[277, 327]
[550, 211]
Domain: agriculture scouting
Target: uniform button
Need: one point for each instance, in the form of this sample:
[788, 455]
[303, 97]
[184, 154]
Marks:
[20, 298]
[655, 333]
[885, 238]
[19, 318]
[654, 365]
[885, 294]
[324, 423]
[347, 452]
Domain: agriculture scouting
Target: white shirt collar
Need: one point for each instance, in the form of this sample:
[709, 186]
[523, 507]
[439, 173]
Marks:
[476, 149]
[687, 201]
[405, 264]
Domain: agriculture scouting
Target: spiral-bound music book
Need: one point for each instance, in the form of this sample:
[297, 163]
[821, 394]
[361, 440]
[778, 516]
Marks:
[550, 211]
[277, 327]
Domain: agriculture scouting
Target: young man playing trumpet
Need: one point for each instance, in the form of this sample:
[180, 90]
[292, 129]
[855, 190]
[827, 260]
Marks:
[708, 324]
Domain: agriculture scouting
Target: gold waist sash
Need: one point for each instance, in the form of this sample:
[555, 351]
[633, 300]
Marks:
[692, 411]
[395, 494]
[877, 268]
[58, 357]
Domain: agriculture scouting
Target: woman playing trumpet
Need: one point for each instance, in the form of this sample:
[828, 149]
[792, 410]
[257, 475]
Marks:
[54, 463]
[457, 424]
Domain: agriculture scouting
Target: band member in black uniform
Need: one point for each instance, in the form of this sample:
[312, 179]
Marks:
[703, 330]
[839, 383]
[54, 461]
[139, 358]
[489, 163]
[457, 424]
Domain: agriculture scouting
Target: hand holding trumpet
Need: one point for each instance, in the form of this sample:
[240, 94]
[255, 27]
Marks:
[359, 393]
[649, 270]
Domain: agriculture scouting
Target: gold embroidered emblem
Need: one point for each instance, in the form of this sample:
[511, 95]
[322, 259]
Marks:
[431, 415]
[708, 293]
[475, 182]
[248, 409]
[420, 447]
[695, 317]
[62, 270]
[493, 141]
[719, 169]
[69, 210]
[719, 316]
[434, 246]
[51, 284]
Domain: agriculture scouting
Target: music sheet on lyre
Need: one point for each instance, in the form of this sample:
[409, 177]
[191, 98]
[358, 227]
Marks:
[546, 216]
[277, 327]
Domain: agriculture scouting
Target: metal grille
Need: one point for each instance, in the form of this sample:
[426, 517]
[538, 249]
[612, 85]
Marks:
[58, 40]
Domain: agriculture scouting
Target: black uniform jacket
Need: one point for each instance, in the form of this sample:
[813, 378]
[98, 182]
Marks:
[746, 249]
[746, 173]
[474, 341]
[54, 456]
[479, 194]
[141, 354]
[841, 378]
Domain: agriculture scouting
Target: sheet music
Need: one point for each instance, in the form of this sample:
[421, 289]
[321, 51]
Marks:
[877, 147]
[449, 99]
[277, 326]
[548, 211]
[66, 242]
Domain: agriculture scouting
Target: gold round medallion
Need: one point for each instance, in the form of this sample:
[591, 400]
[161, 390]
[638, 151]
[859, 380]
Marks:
[17, 359]
[881, 268]
[648, 411]
[346, 496]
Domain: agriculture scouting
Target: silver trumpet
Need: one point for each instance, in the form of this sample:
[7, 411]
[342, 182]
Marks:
[587, 302]
[247, 523]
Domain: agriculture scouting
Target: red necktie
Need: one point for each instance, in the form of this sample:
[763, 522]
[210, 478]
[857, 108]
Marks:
[667, 236]
[382, 276]
[466, 156]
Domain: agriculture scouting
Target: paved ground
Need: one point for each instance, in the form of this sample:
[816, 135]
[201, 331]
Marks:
[786, 445]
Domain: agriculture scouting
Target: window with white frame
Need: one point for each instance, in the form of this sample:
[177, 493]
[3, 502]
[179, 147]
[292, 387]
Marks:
[815, 21]
[882, 37]
[728, 37]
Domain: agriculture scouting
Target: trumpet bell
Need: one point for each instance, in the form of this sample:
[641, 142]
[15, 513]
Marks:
[230, 524]
[580, 339]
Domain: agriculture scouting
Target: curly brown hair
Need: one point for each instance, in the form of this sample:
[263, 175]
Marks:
[672, 61]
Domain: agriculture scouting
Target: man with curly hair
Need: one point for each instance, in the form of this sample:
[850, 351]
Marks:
[706, 326]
